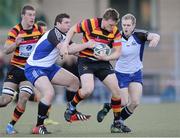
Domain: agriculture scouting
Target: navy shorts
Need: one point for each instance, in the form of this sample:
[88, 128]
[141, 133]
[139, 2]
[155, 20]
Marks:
[33, 72]
[125, 79]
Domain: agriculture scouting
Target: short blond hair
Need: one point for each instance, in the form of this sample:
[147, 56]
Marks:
[129, 16]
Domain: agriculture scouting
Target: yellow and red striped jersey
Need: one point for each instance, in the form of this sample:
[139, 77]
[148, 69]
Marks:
[23, 50]
[91, 29]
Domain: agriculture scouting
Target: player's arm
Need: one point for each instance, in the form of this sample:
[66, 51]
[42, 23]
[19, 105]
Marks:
[153, 39]
[113, 56]
[74, 47]
[12, 42]
[80, 27]
[69, 35]
[116, 48]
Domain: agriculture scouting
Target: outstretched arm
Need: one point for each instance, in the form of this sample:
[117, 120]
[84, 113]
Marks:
[153, 39]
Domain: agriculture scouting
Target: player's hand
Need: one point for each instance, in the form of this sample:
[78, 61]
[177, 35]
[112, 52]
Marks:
[18, 40]
[153, 43]
[101, 56]
[91, 43]
[63, 51]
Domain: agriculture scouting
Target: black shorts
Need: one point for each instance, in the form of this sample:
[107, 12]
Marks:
[15, 75]
[100, 69]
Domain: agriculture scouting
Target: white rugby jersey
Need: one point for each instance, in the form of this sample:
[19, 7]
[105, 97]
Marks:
[45, 53]
[130, 60]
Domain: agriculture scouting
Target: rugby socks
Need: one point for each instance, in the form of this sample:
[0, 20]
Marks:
[70, 95]
[77, 98]
[42, 111]
[16, 115]
[116, 107]
[125, 113]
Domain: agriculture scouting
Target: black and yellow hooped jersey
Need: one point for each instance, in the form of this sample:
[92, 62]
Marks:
[29, 39]
[91, 29]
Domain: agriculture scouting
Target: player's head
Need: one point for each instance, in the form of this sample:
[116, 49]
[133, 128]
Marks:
[128, 23]
[110, 19]
[42, 24]
[28, 15]
[63, 22]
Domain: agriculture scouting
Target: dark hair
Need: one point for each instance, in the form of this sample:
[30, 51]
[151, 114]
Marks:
[60, 17]
[111, 13]
[41, 23]
[27, 7]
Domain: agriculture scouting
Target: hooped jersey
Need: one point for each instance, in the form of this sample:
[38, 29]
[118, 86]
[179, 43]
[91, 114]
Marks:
[91, 29]
[29, 39]
[132, 51]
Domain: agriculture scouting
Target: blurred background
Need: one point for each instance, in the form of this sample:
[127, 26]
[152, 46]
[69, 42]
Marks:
[161, 64]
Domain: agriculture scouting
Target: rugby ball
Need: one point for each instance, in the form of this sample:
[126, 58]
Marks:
[102, 49]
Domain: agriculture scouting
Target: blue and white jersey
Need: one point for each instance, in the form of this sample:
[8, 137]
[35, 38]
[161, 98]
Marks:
[45, 53]
[130, 60]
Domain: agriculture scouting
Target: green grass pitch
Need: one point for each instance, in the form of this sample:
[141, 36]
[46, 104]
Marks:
[149, 120]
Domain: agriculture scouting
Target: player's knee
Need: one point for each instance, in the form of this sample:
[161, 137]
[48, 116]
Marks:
[49, 96]
[75, 81]
[124, 102]
[23, 98]
[86, 92]
[134, 104]
[5, 100]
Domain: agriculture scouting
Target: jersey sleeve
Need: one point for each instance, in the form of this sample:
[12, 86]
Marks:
[141, 35]
[12, 34]
[55, 37]
[84, 26]
[117, 40]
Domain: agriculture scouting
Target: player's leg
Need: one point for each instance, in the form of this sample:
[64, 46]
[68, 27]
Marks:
[87, 86]
[45, 87]
[112, 83]
[7, 93]
[39, 77]
[35, 97]
[25, 90]
[6, 97]
[123, 83]
[67, 79]
[107, 106]
[135, 93]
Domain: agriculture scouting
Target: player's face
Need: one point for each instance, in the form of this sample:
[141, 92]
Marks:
[29, 17]
[65, 25]
[109, 25]
[127, 27]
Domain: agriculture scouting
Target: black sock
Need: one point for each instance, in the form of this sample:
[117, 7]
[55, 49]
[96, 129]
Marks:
[70, 95]
[125, 113]
[42, 111]
[107, 106]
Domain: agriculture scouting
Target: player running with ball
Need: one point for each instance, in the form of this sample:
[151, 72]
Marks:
[101, 30]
